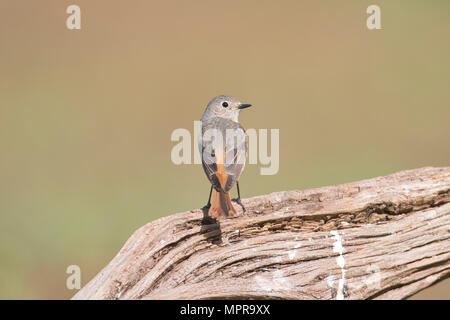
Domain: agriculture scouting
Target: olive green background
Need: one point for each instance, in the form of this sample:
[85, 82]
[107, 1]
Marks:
[86, 116]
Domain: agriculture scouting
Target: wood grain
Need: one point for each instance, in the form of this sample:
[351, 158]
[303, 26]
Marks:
[382, 238]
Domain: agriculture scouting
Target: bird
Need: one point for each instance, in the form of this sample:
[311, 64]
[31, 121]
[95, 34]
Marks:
[223, 148]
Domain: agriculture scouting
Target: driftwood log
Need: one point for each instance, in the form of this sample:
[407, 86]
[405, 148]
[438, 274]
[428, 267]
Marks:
[383, 238]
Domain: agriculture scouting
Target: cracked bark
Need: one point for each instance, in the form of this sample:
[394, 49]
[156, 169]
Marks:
[382, 238]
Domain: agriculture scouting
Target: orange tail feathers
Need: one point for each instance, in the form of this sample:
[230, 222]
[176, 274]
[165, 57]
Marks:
[221, 205]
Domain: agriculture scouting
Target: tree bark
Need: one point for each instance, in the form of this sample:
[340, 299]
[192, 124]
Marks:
[382, 238]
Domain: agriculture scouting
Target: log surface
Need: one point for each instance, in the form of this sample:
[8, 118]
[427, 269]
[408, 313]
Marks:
[382, 238]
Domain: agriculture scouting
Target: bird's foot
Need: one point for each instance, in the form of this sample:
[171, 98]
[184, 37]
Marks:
[238, 201]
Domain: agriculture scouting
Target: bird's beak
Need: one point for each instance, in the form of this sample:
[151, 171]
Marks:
[244, 105]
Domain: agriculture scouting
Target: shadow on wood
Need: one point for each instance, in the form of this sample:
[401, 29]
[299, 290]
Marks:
[382, 238]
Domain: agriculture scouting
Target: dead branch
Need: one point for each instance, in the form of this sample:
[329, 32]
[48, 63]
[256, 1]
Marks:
[382, 238]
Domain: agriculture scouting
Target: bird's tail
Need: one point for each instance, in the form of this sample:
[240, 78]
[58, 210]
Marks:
[221, 205]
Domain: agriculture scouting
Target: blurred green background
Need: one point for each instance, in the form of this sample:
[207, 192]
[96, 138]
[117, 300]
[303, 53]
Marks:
[86, 116]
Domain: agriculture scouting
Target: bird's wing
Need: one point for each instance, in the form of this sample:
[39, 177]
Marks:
[237, 152]
[208, 152]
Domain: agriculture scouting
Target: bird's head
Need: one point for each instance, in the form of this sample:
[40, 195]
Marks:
[224, 106]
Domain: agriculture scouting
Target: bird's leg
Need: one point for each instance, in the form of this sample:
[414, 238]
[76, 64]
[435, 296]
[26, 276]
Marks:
[208, 205]
[238, 200]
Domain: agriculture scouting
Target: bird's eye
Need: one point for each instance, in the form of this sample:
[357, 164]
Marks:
[225, 104]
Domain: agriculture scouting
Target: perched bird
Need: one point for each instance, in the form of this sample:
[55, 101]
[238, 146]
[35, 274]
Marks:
[223, 147]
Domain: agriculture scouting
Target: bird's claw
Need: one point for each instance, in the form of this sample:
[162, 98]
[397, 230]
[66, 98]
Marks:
[238, 201]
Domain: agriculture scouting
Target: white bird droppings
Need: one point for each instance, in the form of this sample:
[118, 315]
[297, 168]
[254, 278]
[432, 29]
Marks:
[291, 254]
[431, 214]
[276, 281]
[338, 248]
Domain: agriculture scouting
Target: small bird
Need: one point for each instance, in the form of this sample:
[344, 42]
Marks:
[223, 147]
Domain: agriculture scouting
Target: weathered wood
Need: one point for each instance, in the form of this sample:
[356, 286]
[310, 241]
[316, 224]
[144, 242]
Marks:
[383, 238]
